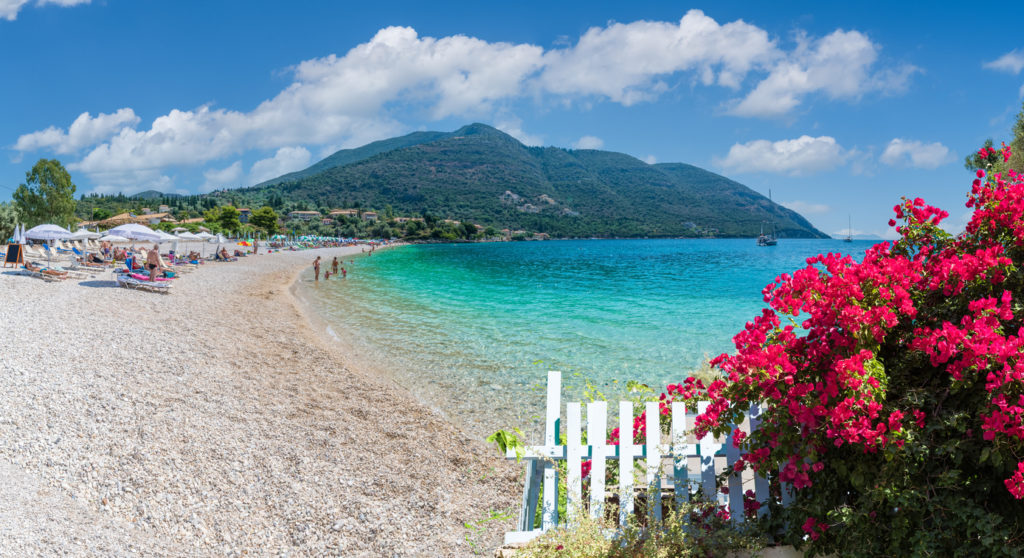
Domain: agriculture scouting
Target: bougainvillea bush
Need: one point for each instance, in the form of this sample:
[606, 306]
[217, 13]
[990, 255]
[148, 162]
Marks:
[893, 388]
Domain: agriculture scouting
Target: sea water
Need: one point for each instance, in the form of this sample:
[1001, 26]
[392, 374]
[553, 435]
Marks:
[472, 329]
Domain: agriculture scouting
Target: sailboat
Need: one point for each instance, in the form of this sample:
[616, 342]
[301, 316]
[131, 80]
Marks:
[849, 230]
[770, 239]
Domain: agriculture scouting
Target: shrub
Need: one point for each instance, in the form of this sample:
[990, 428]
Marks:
[698, 529]
[895, 407]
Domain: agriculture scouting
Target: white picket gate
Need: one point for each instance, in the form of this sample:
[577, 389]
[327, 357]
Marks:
[691, 465]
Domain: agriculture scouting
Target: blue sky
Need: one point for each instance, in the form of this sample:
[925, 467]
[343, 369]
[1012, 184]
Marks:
[839, 109]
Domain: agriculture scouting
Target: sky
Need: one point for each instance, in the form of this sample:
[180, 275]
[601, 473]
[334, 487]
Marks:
[838, 109]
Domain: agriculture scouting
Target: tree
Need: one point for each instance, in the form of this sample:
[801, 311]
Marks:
[228, 218]
[264, 218]
[48, 195]
[8, 219]
[1016, 161]
[467, 230]
[897, 402]
[99, 214]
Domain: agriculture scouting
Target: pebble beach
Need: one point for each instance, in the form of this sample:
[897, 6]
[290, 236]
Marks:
[217, 421]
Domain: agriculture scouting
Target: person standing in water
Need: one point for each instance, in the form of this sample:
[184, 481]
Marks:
[316, 268]
[334, 265]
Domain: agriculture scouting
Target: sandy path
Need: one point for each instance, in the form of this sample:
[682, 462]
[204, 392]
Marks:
[214, 421]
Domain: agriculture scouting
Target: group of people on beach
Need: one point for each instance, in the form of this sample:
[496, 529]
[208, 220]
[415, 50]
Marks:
[328, 273]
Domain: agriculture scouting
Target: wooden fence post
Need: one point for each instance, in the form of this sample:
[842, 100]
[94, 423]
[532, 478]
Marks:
[549, 509]
[597, 438]
[574, 464]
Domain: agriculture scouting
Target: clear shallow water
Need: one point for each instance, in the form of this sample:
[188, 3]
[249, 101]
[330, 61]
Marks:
[473, 328]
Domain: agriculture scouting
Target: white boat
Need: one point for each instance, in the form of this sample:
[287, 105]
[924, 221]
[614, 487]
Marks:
[770, 239]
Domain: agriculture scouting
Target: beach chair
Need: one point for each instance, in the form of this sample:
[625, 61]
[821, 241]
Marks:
[55, 254]
[43, 273]
[72, 272]
[32, 251]
[127, 281]
[84, 259]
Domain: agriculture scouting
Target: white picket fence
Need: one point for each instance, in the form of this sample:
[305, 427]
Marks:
[689, 465]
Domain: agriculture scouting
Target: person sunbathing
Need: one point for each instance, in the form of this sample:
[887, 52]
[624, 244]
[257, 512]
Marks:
[50, 272]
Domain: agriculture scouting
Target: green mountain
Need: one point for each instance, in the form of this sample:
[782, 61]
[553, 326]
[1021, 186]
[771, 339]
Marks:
[152, 195]
[348, 156]
[485, 176]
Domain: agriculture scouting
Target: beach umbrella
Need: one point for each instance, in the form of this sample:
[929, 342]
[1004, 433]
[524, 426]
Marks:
[47, 232]
[135, 231]
[187, 237]
[112, 238]
[204, 236]
[165, 237]
[84, 234]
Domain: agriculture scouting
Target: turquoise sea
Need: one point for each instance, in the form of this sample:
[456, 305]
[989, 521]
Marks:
[473, 328]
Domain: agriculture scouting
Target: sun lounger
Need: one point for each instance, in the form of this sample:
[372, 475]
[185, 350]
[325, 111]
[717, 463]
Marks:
[46, 274]
[127, 281]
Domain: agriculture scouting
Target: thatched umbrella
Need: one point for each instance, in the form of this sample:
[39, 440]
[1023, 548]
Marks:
[118, 220]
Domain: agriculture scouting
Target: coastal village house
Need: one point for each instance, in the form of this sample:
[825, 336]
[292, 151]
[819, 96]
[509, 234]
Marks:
[304, 215]
[369, 215]
[344, 213]
[243, 214]
[408, 219]
[157, 218]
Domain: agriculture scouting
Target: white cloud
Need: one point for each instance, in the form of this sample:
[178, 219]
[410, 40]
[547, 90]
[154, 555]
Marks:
[624, 61]
[801, 156]
[1021, 92]
[838, 65]
[916, 154]
[85, 131]
[513, 126]
[1012, 62]
[286, 160]
[131, 182]
[349, 100]
[9, 8]
[588, 142]
[221, 178]
[650, 159]
[803, 207]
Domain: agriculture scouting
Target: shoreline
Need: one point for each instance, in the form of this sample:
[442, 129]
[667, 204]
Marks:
[164, 427]
[434, 393]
